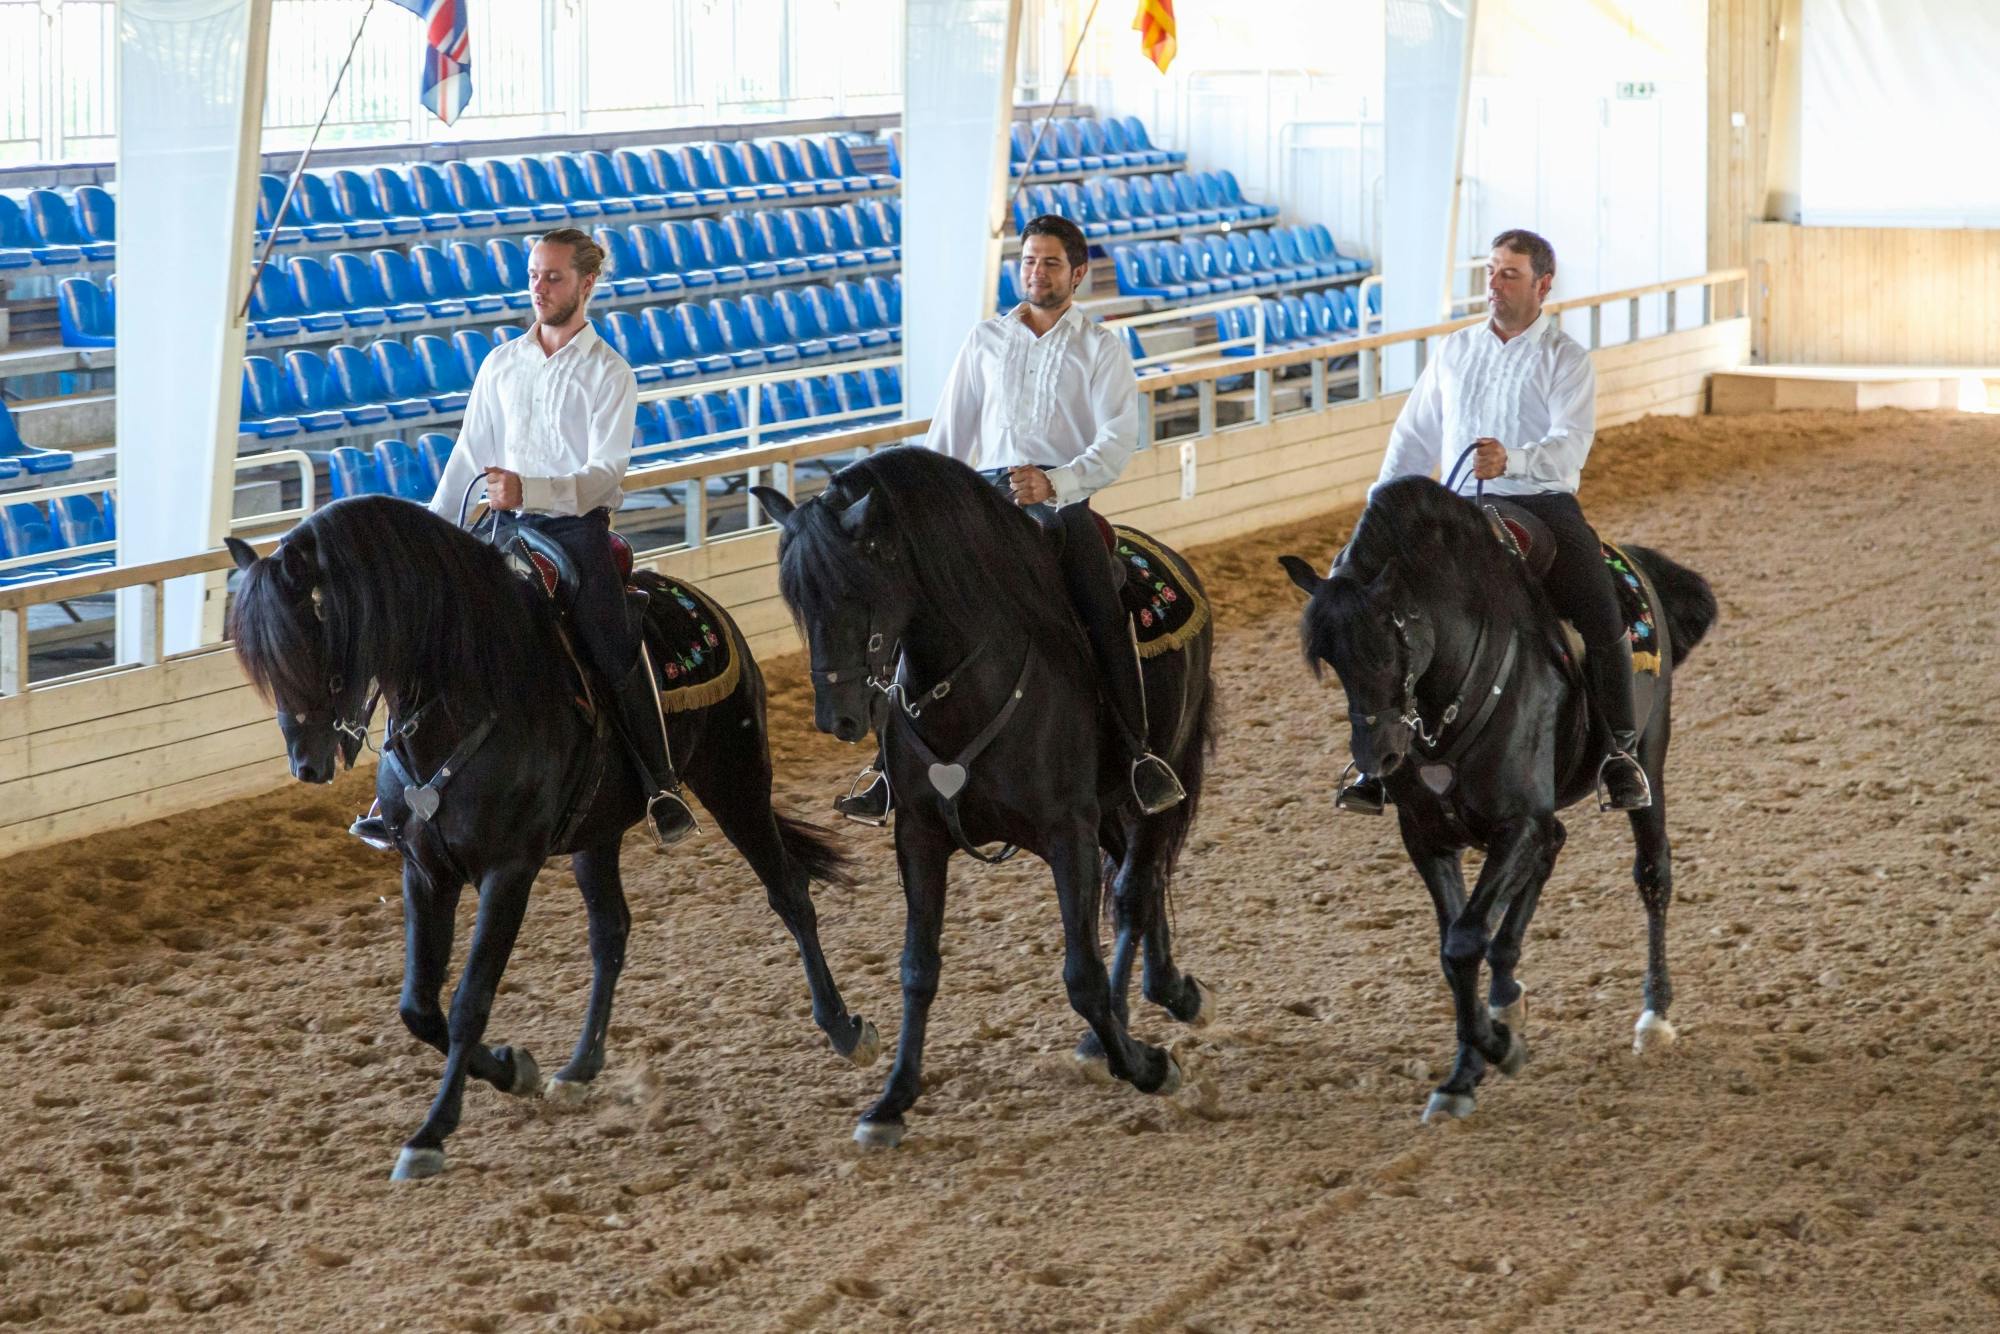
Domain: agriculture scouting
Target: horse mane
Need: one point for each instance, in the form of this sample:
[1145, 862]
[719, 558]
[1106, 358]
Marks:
[409, 600]
[975, 559]
[1443, 555]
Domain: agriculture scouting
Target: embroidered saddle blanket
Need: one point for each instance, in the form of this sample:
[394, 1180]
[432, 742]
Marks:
[1529, 538]
[693, 652]
[1166, 605]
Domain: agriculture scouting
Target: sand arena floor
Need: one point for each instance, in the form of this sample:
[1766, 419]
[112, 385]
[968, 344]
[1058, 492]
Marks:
[208, 1082]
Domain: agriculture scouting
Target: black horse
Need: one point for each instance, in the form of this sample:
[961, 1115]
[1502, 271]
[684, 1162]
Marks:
[498, 761]
[920, 587]
[1463, 695]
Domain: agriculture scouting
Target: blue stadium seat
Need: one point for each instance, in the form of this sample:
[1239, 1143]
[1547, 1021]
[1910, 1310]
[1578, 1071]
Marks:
[433, 194]
[435, 449]
[316, 203]
[504, 188]
[687, 256]
[888, 383]
[761, 168]
[732, 326]
[672, 175]
[573, 187]
[20, 246]
[359, 288]
[392, 191]
[636, 174]
[699, 170]
[441, 283]
[402, 472]
[630, 339]
[854, 392]
[295, 226]
[352, 472]
[400, 281]
[26, 531]
[274, 305]
[25, 456]
[703, 340]
[97, 212]
[507, 333]
[474, 346]
[444, 370]
[403, 379]
[801, 327]
[1070, 145]
[605, 182]
[732, 173]
[753, 243]
[789, 160]
[768, 329]
[468, 195]
[322, 406]
[83, 314]
[357, 200]
[719, 253]
[79, 523]
[54, 226]
[321, 297]
[267, 412]
[834, 310]
[649, 429]
[669, 340]
[481, 281]
[624, 274]
[1232, 192]
[1135, 131]
[820, 398]
[1274, 262]
[1010, 287]
[1248, 261]
[360, 380]
[681, 422]
[538, 183]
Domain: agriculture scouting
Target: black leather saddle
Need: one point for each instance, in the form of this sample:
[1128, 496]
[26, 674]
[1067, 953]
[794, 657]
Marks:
[1521, 533]
[540, 560]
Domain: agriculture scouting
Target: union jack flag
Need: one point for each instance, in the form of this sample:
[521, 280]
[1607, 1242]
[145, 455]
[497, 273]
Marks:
[447, 84]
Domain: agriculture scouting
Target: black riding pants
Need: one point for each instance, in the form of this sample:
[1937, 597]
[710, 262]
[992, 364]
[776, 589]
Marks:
[1578, 583]
[599, 609]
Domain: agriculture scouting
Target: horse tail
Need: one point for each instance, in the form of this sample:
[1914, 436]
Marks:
[1685, 597]
[1190, 766]
[813, 847]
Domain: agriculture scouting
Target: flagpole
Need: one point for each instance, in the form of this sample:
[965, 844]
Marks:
[1027, 168]
[291, 187]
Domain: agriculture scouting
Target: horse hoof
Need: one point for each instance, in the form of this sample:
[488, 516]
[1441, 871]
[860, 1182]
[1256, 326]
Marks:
[1514, 1015]
[1092, 1065]
[565, 1092]
[416, 1164]
[878, 1134]
[1204, 1006]
[1170, 1085]
[867, 1047]
[1517, 1054]
[1653, 1033]
[527, 1075]
[1448, 1106]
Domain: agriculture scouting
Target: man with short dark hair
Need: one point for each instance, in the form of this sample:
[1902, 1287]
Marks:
[1044, 401]
[1524, 395]
[548, 428]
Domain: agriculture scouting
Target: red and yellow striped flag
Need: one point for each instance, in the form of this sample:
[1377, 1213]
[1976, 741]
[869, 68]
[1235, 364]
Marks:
[1155, 25]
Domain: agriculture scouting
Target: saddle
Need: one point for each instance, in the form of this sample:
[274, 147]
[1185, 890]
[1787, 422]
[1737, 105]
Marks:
[1521, 533]
[539, 559]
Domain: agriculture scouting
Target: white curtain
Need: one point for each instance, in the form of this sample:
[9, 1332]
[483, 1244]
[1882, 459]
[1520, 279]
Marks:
[1900, 123]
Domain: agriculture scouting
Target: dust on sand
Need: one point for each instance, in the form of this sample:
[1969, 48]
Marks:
[209, 1080]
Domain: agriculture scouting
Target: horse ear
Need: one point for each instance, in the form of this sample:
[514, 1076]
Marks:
[776, 503]
[1302, 574]
[241, 552]
[855, 515]
[294, 564]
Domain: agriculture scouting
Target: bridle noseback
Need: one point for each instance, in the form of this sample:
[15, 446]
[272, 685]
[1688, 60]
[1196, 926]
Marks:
[1411, 715]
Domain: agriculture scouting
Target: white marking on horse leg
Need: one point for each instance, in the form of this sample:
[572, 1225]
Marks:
[1653, 1033]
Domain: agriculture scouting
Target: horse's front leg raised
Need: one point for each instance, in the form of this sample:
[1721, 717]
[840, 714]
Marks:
[1138, 916]
[610, 924]
[503, 901]
[1079, 889]
[1514, 854]
[922, 854]
[428, 912]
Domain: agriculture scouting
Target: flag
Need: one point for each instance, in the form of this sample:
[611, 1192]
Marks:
[447, 82]
[1155, 25]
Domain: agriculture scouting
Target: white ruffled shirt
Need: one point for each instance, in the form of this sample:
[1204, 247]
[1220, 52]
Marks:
[564, 423]
[1066, 402]
[1536, 394]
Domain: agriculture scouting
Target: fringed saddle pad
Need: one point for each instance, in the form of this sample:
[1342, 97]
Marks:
[693, 651]
[1166, 608]
[1637, 610]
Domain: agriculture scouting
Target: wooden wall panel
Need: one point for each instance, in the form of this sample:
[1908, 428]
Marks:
[146, 743]
[1876, 296]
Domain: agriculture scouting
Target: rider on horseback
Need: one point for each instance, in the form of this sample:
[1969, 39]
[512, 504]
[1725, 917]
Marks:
[550, 423]
[1525, 394]
[1044, 401]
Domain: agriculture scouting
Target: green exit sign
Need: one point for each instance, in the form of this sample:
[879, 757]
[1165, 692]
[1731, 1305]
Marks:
[1634, 91]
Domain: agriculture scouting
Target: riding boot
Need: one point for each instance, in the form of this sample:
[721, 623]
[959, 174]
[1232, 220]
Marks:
[373, 830]
[1366, 795]
[644, 727]
[1154, 782]
[1620, 778]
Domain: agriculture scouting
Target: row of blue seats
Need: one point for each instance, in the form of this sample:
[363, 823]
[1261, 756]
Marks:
[1084, 143]
[28, 529]
[55, 232]
[392, 468]
[350, 387]
[1117, 206]
[431, 197]
[1289, 321]
[1219, 264]
[17, 456]
[305, 294]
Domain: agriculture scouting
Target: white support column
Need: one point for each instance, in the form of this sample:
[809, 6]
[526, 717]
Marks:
[958, 101]
[1427, 73]
[191, 108]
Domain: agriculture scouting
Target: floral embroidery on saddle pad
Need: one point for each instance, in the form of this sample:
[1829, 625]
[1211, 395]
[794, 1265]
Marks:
[1166, 608]
[1636, 609]
[693, 651]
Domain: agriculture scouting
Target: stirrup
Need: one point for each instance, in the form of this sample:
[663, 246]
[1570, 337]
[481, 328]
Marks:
[861, 804]
[373, 830]
[1604, 798]
[1363, 795]
[670, 816]
[1155, 784]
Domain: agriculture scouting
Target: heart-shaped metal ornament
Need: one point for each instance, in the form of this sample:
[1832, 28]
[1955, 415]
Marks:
[422, 801]
[1437, 777]
[948, 779]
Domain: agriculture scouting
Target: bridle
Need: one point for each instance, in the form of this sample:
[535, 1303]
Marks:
[1412, 713]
